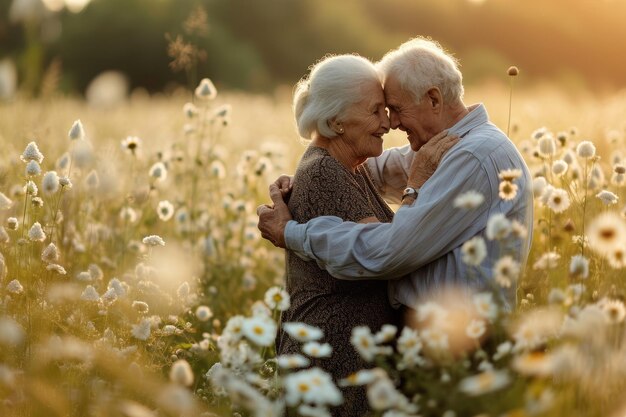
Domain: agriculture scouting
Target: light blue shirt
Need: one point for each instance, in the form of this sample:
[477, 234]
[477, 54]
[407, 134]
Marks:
[420, 250]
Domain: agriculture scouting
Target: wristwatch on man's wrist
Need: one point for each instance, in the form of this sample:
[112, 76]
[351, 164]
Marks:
[410, 192]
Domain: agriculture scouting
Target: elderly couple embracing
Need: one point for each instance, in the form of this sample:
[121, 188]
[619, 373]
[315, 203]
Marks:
[352, 261]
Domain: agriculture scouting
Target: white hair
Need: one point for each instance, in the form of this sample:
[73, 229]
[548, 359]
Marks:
[420, 64]
[333, 84]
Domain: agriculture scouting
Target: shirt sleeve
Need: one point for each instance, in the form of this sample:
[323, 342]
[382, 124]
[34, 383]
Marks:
[419, 233]
[390, 172]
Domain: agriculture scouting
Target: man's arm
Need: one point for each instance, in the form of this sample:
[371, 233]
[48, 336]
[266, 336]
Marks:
[418, 234]
[390, 171]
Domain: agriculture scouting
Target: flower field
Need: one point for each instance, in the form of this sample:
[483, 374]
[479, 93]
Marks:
[134, 282]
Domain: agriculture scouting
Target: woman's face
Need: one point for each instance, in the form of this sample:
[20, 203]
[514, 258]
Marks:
[365, 123]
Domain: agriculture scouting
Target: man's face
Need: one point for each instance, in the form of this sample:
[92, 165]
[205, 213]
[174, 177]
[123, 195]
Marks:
[405, 113]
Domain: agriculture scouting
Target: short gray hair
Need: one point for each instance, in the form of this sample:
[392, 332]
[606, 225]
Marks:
[420, 64]
[333, 84]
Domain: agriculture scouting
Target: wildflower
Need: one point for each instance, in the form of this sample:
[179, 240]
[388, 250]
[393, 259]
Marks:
[484, 382]
[15, 287]
[510, 174]
[92, 181]
[90, 294]
[183, 290]
[469, 200]
[559, 167]
[539, 133]
[165, 210]
[579, 267]
[409, 341]
[617, 257]
[141, 331]
[614, 310]
[586, 150]
[5, 202]
[485, 306]
[303, 332]
[131, 144]
[558, 201]
[153, 240]
[31, 153]
[606, 232]
[502, 350]
[513, 71]
[11, 333]
[277, 298]
[76, 131]
[260, 330]
[84, 276]
[435, 338]
[140, 306]
[65, 182]
[33, 169]
[181, 373]
[190, 110]
[31, 188]
[539, 185]
[363, 341]
[498, 227]
[547, 146]
[362, 377]
[431, 312]
[292, 361]
[128, 214]
[119, 287]
[12, 223]
[56, 268]
[4, 236]
[518, 230]
[386, 333]
[37, 202]
[534, 364]
[317, 350]
[50, 183]
[506, 271]
[158, 171]
[475, 329]
[50, 254]
[217, 170]
[206, 90]
[507, 190]
[203, 313]
[382, 395]
[311, 386]
[36, 233]
[548, 260]
[607, 197]
[474, 251]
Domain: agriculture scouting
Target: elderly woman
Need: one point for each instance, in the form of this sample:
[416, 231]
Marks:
[340, 107]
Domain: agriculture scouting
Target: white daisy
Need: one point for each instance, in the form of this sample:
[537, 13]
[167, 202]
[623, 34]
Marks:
[506, 271]
[469, 200]
[277, 299]
[498, 227]
[317, 350]
[485, 382]
[303, 332]
[260, 330]
[292, 361]
[181, 373]
[363, 341]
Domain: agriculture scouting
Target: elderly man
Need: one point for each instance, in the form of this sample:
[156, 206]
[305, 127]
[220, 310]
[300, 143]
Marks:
[421, 248]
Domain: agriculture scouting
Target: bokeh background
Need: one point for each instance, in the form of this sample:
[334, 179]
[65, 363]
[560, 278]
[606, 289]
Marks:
[257, 46]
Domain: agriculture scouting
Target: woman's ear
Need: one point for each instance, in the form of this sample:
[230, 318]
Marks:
[336, 126]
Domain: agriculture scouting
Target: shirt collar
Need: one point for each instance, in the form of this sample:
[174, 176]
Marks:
[477, 116]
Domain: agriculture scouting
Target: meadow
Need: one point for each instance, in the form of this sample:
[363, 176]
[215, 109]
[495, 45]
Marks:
[134, 282]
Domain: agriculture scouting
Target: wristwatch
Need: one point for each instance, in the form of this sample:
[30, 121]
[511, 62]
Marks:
[409, 192]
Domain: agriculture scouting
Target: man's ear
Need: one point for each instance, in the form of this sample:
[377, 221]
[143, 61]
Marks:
[435, 99]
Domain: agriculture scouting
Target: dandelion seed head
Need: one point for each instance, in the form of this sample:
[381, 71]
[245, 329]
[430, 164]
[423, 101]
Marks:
[539, 185]
[15, 287]
[50, 254]
[586, 150]
[76, 132]
[181, 373]
[31, 153]
[469, 200]
[90, 294]
[65, 182]
[153, 240]
[141, 330]
[50, 183]
[31, 188]
[206, 90]
[559, 167]
[12, 223]
[37, 202]
[141, 307]
[547, 146]
[33, 169]
[36, 233]
[203, 313]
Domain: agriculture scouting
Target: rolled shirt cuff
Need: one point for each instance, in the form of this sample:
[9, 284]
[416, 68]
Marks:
[295, 234]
